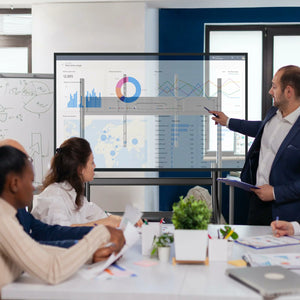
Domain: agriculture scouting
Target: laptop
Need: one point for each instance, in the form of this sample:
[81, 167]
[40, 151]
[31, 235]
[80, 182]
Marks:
[269, 281]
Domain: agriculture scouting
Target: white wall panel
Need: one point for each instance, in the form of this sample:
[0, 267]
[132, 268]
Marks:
[85, 27]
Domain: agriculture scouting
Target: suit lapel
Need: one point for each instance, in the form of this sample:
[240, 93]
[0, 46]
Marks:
[268, 117]
[294, 130]
[250, 167]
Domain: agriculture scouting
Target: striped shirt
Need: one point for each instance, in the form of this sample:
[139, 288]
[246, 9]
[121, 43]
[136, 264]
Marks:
[19, 252]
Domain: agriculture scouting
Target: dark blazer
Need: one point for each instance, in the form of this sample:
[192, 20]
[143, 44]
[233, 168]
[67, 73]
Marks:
[285, 170]
[55, 235]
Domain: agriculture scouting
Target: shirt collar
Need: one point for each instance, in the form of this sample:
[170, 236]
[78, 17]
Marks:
[291, 118]
[68, 188]
[6, 208]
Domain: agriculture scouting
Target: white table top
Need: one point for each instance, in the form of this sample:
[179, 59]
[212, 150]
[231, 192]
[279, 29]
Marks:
[162, 280]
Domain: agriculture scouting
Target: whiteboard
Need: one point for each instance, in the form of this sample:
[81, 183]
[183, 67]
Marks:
[27, 115]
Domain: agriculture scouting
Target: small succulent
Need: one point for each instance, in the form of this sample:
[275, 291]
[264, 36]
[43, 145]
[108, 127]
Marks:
[226, 230]
[163, 240]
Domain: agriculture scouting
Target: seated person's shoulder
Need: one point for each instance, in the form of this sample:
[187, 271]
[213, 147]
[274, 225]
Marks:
[55, 193]
[49, 204]
[56, 188]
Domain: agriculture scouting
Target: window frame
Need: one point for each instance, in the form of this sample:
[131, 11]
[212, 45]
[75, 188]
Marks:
[24, 41]
[268, 33]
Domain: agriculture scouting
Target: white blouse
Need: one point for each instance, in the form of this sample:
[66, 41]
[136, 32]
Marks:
[56, 205]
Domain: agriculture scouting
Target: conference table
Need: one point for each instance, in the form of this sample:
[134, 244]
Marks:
[157, 281]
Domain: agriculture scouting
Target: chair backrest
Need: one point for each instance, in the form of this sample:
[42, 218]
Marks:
[202, 193]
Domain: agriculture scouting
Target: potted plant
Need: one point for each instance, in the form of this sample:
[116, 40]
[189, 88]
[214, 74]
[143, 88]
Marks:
[161, 245]
[228, 232]
[190, 218]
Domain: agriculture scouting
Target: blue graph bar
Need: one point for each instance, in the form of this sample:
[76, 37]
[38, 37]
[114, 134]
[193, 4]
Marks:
[92, 100]
[73, 100]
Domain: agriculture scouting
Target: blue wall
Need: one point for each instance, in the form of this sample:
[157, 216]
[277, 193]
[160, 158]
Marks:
[182, 31]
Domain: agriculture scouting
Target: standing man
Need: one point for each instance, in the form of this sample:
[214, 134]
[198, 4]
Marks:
[273, 161]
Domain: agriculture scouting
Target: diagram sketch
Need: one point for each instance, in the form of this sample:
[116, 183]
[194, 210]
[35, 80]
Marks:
[27, 115]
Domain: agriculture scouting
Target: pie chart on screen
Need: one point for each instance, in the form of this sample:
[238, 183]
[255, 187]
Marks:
[137, 86]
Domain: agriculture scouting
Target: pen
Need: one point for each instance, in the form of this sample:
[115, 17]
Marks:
[229, 234]
[123, 269]
[218, 233]
[109, 272]
[118, 267]
[276, 225]
[245, 258]
[210, 112]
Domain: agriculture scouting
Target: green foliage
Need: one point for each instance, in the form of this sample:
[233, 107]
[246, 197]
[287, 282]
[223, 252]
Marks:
[189, 213]
[226, 230]
[163, 240]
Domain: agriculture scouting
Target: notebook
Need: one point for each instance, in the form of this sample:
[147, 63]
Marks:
[237, 183]
[268, 241]
[269, 281]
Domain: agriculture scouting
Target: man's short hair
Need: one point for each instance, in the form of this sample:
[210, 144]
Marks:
[290, 76]
[12, 160]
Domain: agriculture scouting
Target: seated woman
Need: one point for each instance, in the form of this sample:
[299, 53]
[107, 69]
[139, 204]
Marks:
[62, 201]
[18, 251]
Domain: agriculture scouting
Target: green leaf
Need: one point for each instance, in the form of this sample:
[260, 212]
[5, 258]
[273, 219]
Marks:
[189, 213]
[234, 236]
[227, 228]
[163, 240]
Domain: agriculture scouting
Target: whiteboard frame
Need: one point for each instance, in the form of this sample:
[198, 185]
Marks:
[30, 76]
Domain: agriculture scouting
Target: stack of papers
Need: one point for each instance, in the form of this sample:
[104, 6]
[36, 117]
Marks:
[93, 270]
[286, 260]
[268, 241]
[130, 217]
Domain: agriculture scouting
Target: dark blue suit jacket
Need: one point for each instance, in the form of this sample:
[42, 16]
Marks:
[285, 170]
[55, 235]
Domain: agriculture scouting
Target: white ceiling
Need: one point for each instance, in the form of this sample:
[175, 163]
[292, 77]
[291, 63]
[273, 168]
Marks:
[164, 3]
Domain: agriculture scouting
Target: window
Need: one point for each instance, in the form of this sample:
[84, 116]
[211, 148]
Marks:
[15, 41]
[277, 45]
[269, 47]
[278, 39]
[253, 46]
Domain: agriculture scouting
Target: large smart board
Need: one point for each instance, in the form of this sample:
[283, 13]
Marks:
[147, 111]
[27, 115]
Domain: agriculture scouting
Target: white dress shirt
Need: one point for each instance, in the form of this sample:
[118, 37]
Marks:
[296, 226]
[56, 205]
[274, 133]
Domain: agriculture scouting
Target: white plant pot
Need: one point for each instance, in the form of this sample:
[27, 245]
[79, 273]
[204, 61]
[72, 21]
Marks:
[164, 254]
[218, 249]
[190, 244]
